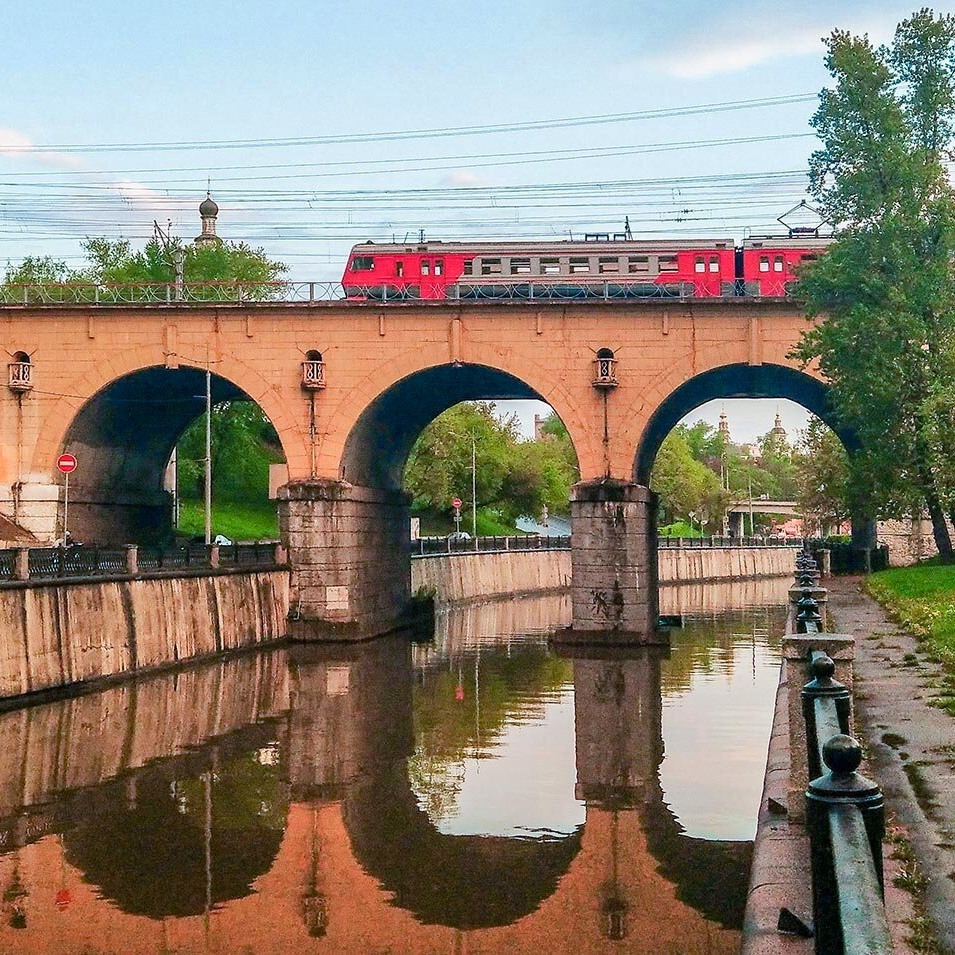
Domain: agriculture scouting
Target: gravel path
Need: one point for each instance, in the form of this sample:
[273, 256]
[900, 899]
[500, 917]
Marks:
[910, 744]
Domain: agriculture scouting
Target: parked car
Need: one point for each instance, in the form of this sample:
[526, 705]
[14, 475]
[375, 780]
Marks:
[459, 536]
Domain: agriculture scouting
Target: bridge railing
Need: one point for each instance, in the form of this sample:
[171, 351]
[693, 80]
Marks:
[724, 541]
[435, 546]
[45, 563]
[844, 811]
[168, 293]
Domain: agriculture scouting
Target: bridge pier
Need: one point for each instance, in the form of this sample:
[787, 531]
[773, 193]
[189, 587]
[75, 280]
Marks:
[614, 564]
[350, 552]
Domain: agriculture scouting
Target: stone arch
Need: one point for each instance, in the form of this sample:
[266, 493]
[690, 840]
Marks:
[378, 444]
[733, 381]
[56, 424]
[123, 436]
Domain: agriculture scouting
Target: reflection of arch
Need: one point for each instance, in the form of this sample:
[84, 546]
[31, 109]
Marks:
[379, 444]
[461, 881]
[159, 851]
[732, 381]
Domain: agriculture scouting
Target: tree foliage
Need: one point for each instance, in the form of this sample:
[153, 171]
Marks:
[514, 478]
[111, 262]
[822, 476]
[885, 287]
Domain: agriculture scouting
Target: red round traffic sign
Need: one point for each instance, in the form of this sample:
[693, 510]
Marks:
[456, 502]
[66, 463]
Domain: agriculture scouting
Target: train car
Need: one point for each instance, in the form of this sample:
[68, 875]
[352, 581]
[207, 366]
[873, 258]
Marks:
[768, 264]
[599, 267]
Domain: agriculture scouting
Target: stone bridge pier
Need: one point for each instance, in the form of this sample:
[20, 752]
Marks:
[349, 547]
[350, 551]
[613, 564]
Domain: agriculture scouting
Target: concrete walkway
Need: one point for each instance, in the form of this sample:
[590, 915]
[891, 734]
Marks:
[910, 745]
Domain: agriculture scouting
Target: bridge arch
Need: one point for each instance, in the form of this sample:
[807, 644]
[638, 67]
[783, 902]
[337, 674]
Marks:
[123, 436]
[377, 447]
[731, 381]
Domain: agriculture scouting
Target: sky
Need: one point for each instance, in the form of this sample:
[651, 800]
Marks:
[320, 125]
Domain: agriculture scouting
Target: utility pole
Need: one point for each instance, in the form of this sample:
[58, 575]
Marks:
[473, 489]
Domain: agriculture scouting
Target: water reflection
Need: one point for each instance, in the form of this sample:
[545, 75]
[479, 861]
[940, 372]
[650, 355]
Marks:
[479, 793]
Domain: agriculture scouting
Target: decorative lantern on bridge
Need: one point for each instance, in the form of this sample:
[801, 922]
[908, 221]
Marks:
[313, 371]
[605, 370]
[20, 373]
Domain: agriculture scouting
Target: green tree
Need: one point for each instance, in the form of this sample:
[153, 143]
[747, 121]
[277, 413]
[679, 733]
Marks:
[514, 478]
[822, 477]
[885, 287]
[114, 262]
[240, 433]
[684, 483]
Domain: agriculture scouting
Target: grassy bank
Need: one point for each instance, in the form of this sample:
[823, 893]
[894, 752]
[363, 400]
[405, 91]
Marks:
[239, 522]
[922, 598]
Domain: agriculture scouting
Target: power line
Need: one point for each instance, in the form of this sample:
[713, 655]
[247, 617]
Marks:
[435, 133]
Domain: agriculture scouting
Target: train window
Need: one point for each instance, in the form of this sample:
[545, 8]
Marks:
[550, 266]
[490, 266]
[439, 266]
[399, 269]
[520, 266]
[425, 266]
[608, 263]
[579, 263]
[668, 263]
[362, 263]
[714, 264]
[469, 266]
[639, 263]
[778, 263]
[700, 264]
[764, 263]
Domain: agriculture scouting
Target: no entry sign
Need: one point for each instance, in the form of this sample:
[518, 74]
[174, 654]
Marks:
[455, 503]
[66, 463]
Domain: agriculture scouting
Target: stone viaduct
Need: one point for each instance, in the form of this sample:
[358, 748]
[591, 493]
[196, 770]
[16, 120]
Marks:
[348, 387]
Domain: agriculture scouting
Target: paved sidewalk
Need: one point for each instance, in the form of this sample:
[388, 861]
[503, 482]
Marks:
[910, 744]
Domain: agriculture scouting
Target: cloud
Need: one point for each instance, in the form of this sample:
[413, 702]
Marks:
[464, 177]
[732, 45]
[14, 143]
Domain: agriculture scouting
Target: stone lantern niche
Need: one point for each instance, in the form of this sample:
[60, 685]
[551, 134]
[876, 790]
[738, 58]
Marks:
[313, 371]
[605, 369]
[20, 373]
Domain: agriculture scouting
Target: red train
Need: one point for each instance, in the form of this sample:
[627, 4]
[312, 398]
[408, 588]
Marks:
[599, 267]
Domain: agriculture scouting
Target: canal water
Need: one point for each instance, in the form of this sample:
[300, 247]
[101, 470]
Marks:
[482, 792]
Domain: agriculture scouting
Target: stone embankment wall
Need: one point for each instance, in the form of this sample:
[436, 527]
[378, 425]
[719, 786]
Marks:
[909, 541]
[57, 634]
[478, 576]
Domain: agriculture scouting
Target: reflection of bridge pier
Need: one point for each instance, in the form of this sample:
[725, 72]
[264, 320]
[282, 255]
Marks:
[618, 711]
[350, 713]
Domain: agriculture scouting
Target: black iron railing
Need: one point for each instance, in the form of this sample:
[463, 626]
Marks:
[845, 813]
[44, 563]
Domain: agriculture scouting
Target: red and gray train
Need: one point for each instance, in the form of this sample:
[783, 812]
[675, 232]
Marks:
[599, 267]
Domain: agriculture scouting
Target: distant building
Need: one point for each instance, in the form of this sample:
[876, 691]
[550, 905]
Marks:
[208, 210]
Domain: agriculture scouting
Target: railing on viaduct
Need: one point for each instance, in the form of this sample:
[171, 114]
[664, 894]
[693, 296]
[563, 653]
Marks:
[844, 811]
[167, 293]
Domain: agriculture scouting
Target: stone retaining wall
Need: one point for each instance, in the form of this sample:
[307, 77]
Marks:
[488, 575]
[57, 634]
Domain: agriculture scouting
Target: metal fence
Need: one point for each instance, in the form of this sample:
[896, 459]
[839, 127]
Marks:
[435, 546]
[845, 811]
[709, 542]
[86, 561]
[169, 293]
